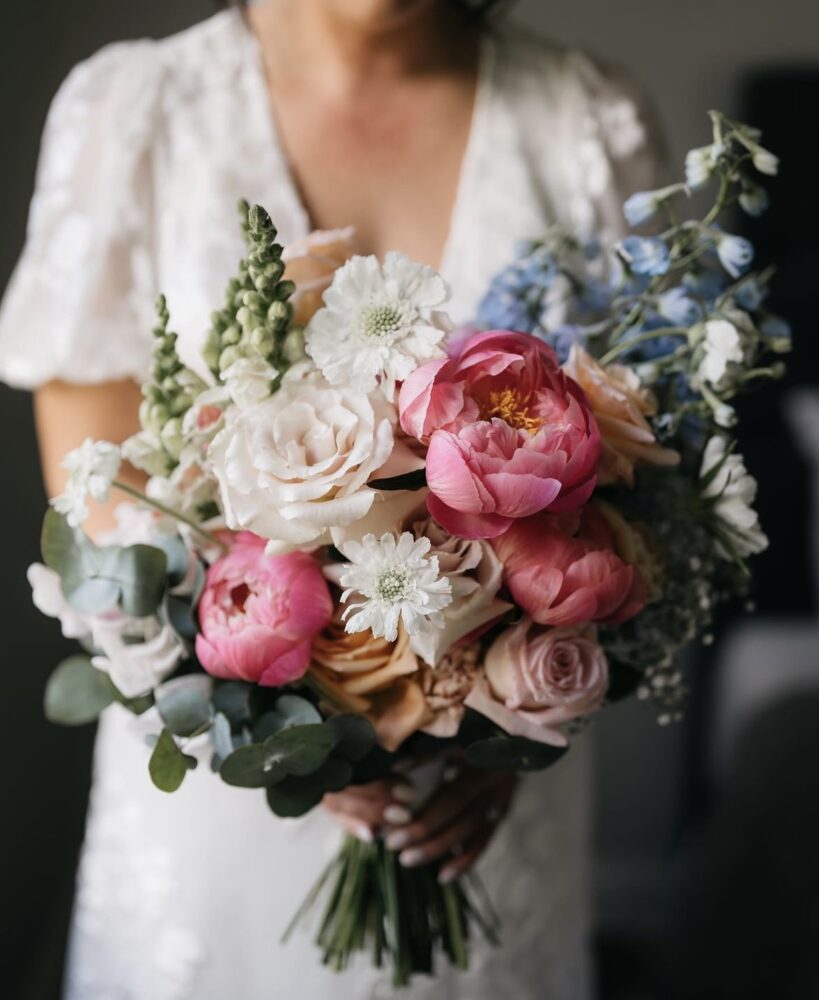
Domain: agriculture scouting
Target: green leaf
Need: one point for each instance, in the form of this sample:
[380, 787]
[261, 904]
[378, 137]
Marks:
[247, 767]
[354, 734]
[296, 796]
[76, 693]
[513, 753]
[233, 699]
[268, 725]
[180, 615]
[176, 555]
[94, 597]
[416, 480]
[222, 740]
[185, 708]
[297, 711]
[141, 572]
[300, 750]
[168, 764]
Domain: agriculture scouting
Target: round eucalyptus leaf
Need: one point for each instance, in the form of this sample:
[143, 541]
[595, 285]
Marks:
[77, 692]
[513, 753]
[268, 725]
[140, 571]
[233, 699]
[185, 708]
[248, 767]
[181, 617]
[168, 764]
[176, 555]
[355, 736]
[296, 796]
[297, 711]
[299, 750]
[94, 596]
[221, 740]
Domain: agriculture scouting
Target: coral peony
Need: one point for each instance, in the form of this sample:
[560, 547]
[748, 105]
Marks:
[509, 434]
[620, 405]
[259, 614]
[560, 577]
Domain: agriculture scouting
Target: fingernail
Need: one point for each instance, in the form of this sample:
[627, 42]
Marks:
[396, 840]
[412, 858]
[363, 832]
[397, 815]
[408, 794]
[446, 875]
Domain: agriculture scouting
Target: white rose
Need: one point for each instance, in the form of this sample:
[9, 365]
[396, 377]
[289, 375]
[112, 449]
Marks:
[297, 464]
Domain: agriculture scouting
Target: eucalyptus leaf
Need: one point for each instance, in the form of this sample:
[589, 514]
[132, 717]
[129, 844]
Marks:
[354, 734]
[180, 615]
[268, 725]
[221, 740]
[76, 693]
[513, 753]
[233, 699]
[168, 764]
[176, 555]
[249, 767]
[300, 750]
[140, 571]
[94, 596]
[296, 796]
[297, 711]
[185, 710]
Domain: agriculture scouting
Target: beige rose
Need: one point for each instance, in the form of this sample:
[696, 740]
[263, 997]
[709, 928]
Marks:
[358, 672]
[447, 687]
[620, 404]
[311, 264]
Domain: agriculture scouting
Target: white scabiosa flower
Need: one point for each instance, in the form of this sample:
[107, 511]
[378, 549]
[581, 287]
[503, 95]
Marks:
[732, 490]
[722, 345]
[91, 469]
[379, 323]
[397, 580]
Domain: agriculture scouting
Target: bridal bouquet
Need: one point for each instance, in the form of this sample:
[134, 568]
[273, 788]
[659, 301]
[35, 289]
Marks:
[369, 538]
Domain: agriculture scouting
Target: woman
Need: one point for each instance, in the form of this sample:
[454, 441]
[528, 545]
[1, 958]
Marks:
[432, 132]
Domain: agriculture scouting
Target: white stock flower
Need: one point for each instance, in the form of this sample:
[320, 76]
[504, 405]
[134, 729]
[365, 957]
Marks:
[765, 161]
[137, 654]
[700, 165]
[91, 469]
[297, 464]
[379, 323]
[722, 345]
[733, 491]
[397, 579]
[48, 598]
[249, 381]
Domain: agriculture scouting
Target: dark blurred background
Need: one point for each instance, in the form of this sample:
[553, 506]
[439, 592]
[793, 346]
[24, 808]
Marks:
[707, 836]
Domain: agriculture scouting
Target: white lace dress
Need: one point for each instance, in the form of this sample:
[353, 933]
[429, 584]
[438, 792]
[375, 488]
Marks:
[147, 149]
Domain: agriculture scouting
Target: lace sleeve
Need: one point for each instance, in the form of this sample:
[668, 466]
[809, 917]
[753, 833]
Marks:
[620, 147]
[78, 304]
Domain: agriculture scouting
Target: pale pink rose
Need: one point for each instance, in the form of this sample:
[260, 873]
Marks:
[509, 434]
[564, 573]
[259, 614]
[537, 679]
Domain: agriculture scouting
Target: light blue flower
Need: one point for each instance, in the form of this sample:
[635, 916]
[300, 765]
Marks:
[735, 253]
[700, 165]
[754, 200]
[645, 255]
[564, 338]
[678, 307]
[640, 207]
[750, 295]
[705, 283]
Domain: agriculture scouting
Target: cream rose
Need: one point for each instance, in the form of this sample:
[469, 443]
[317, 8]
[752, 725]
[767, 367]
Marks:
[296, 465]
[538, 678]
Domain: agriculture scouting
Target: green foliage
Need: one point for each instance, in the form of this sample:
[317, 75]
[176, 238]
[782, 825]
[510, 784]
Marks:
[294, 797]
[76, 693]
[168, 764]
[185, 708]
[513, 753]
[95, 580]
[416, 480]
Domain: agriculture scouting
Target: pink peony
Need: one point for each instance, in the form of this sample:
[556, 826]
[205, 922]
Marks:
[259, 614]
[563, 577]
[537, 679]
[509, 434]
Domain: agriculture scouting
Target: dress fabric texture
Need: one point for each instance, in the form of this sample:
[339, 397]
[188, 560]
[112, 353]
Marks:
[147, 149]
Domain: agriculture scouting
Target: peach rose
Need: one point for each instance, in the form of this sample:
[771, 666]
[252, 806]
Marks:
[447, 687]
[311, 264]
[620, 404]
[358, 672]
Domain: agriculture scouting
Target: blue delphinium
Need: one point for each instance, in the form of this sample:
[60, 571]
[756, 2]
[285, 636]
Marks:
[645, 255]
[735, 253]
[677, 306]
[514, 300]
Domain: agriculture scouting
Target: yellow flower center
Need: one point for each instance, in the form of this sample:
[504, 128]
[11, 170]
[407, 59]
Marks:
[509, 405]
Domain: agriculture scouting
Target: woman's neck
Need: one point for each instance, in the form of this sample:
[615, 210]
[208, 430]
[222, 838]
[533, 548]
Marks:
[344, 45]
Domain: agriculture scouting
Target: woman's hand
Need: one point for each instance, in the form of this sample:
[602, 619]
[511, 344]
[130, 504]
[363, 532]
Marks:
[457, 823]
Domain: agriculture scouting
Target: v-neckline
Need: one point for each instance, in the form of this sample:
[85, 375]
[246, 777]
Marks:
[294, 203]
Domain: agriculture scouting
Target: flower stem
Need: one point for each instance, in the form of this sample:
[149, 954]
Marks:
[175, 514]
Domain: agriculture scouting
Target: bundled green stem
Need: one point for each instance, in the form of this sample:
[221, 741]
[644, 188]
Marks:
[404, 914]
